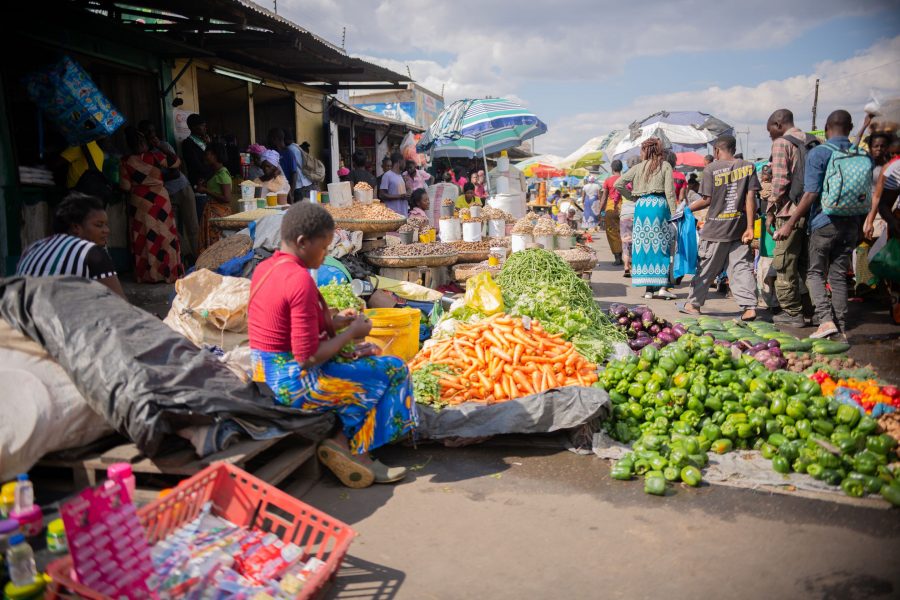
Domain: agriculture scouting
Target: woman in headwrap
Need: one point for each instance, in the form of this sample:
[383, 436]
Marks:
[272, 178]
[654, 189]
[255, 170]
[478, 179]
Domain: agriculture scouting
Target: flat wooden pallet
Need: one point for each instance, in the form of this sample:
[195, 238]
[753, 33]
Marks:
[270, 460]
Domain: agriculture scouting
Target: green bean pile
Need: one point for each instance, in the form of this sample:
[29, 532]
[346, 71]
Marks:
[539, 284]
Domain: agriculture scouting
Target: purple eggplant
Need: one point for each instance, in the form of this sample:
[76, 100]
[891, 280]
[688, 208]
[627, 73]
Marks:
[643, 334]
[640, 342]
[618, 310]
[647, 318]
[656, 344]
[666, 338]
[758, 347]
[637, 326]
[776, 352]
[762, 355]
[774, 363]
[654, 329]
[666, 329]
[679, 330]
[623, 321]
[773, 344]
[662, 322]
[743, 344]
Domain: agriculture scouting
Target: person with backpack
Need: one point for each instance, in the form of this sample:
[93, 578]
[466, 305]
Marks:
[837, 196]
[291, 164]
[790, 147]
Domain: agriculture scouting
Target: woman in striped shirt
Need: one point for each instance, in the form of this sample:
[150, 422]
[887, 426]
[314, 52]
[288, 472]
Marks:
[77, 248]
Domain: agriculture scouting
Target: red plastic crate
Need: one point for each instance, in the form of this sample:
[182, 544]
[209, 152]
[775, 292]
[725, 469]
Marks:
[244, 500]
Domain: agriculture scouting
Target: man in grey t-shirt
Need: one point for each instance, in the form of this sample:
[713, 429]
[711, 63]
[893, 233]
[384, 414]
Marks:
[728, 188]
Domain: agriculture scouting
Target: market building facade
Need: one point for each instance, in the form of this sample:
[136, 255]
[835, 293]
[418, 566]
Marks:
[243, 67]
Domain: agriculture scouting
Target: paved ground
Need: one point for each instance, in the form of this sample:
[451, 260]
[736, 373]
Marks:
[513, 522]
[493, 522]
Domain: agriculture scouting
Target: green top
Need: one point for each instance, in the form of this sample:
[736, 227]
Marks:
[215, 183]
[660, 182]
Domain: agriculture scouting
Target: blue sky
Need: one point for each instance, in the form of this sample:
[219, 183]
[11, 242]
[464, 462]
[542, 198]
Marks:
[588, 66]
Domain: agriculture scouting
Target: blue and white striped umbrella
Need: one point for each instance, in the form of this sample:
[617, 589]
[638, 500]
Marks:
[468, 128]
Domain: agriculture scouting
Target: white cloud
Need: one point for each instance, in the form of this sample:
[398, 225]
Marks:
[844, 84]
[473, 48]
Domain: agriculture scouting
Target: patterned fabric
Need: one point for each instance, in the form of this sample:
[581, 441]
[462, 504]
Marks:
[154, 235]
[371, 396]
[847, 190]
[64, 254]
[209, 235]
[784, 158]
[651, 239]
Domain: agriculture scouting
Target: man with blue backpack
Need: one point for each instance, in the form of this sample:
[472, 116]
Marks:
[837, 196]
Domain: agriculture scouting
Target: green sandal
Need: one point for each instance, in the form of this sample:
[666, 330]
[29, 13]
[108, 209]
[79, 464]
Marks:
[349, 470]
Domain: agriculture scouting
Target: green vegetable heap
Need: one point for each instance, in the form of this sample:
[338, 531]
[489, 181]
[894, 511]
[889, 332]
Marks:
[340, 296]
[539, 284]
[426, 386]
[693, 396]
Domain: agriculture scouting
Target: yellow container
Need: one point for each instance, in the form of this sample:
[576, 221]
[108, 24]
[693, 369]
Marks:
[757, 228]
[395, 331]
[7, 498]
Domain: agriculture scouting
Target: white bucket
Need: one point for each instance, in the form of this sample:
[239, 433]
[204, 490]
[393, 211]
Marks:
[364, 196]
[503, 164]
[450, 230]
[248, 204]
[475, 211]
[502, 185]
[471, 231]
[340, 194]
[513, 204]
[497, 228]
[564, 242]
[520, 241]
[248, 191]
[546, 241]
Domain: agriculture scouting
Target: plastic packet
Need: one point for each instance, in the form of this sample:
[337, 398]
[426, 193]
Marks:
[484, 295]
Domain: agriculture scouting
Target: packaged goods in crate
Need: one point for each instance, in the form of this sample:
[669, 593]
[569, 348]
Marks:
[226, 531]
[66, 94]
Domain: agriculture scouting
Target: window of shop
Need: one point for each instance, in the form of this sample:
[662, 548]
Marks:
[225, 104]
[365, 141]
[272, 108]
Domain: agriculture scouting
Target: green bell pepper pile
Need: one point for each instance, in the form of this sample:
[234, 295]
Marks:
[692, 397]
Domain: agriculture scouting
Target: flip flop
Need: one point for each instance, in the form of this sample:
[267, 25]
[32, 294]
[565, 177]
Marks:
[682, 308]
[747, 320]
[339, 461]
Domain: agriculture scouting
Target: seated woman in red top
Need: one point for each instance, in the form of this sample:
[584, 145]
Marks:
[298, 352]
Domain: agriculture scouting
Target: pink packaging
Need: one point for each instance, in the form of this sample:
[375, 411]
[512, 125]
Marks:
[121, 472]
[31, 521]
[96, 523]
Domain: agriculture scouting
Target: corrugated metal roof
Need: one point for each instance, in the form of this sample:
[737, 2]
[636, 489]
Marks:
[246, 33]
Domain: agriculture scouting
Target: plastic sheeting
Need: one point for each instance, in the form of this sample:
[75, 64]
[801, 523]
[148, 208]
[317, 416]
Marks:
[554, 410]
[741, 468]
[147, 381]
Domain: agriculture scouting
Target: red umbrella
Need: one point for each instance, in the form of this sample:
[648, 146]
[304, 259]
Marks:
[690, 159]
[547, 171]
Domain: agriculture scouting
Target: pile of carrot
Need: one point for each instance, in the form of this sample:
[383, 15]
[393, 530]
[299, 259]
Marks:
[498, 359]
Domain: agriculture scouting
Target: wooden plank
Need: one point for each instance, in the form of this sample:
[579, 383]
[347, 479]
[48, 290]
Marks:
[124, 453]
[290, 459]
[240, 453]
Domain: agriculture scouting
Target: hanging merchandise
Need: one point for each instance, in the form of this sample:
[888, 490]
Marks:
[66, 94]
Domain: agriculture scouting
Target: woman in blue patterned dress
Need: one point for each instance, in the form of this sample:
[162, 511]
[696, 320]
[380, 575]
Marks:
[654, 189]
[306, 354]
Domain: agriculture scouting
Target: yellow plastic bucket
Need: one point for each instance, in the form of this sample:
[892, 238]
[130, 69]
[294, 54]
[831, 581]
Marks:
[395, 330]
